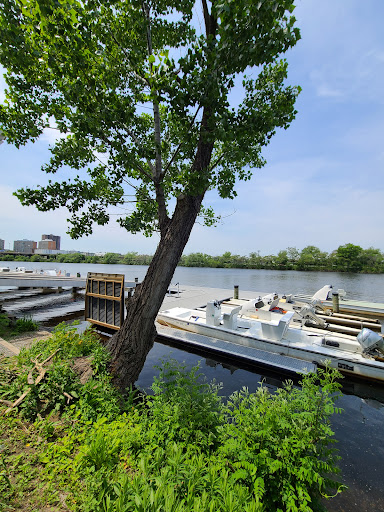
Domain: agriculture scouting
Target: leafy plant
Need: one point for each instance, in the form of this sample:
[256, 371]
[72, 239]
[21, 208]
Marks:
[4, 324]
[184, 408]
[9, 327]
[182, 449]
[5, 483]
[25, 324]
[283, 441]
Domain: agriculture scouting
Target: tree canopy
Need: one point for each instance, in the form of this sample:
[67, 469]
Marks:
[133, 88]
[155, 106]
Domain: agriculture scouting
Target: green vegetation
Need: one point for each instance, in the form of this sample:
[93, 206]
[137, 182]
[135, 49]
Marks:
[347, 258]
[13, 327]
[75, 441]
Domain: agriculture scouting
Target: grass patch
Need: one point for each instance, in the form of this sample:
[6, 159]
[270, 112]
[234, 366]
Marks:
[77, 445]
[10, 327]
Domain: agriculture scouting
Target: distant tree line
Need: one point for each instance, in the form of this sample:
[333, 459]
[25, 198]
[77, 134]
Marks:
[347, 258]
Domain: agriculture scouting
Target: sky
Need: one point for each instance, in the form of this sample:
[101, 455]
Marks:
[323, 182]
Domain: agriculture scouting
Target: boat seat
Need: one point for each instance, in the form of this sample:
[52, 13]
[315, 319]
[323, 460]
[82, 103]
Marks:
[229, 317]
[276, 329]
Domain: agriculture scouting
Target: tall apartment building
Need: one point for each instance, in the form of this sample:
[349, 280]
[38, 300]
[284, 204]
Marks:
[2, 245]
[55, 238]
[24, 246]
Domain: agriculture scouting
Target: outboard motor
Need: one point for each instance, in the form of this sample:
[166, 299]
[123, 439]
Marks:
[324, 293]
[308, 313]
[370, 341]
[259, 303]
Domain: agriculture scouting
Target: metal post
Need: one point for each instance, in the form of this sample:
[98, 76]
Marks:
[335, 302]
[236, 291]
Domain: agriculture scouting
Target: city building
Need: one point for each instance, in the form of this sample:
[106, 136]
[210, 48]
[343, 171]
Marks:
[47, 244]
[1, 245]
[24, 246]
[55, 238]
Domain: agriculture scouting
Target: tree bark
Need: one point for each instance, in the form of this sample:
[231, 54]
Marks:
[130, 345]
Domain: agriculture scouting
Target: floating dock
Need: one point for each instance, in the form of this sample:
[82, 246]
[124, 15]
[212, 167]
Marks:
[35, 280]
[355, 307]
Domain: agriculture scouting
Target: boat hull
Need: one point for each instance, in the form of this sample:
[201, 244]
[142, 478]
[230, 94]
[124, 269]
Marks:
[353, 364]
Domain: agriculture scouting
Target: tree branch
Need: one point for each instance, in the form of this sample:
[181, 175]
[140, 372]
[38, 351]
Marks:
[137, 142]
[178, 147]
[206, 16]
[164, 220]
[139, 77]
[215, 164]
[160, 198]
[209, 20]
[140, 168]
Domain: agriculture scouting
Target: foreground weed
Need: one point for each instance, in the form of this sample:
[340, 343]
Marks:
[25, 324]
[184, 407]
[181, 449]
[284, 440]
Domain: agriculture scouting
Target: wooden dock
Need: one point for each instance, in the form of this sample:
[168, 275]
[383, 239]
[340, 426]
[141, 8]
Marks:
[35, 280]
[197, 296]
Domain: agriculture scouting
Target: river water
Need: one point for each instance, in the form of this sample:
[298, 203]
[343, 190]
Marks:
[359, 430]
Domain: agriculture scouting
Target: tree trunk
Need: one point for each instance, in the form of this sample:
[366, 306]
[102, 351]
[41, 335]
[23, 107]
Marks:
[130, 345]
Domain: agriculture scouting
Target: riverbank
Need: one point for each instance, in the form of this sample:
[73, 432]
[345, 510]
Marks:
[77, 444]
[358, 430]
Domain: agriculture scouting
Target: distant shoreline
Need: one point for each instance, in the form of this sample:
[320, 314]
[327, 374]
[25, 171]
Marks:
[347, 258]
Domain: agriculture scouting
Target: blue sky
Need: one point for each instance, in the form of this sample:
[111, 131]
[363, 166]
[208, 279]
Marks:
[323, 183]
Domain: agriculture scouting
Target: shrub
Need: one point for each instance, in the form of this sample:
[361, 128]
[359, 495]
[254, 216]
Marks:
[184, 407]
[183, 448]
[25, 324]
[283, 441]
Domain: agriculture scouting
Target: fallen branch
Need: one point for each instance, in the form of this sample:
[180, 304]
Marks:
[18, 401]
[68, 396]
[6, 402]
[42, 371]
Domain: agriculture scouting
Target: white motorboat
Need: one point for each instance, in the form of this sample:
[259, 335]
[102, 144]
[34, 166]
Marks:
[240, 323]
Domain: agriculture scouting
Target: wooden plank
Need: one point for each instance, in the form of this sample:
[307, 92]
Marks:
[10, 347]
